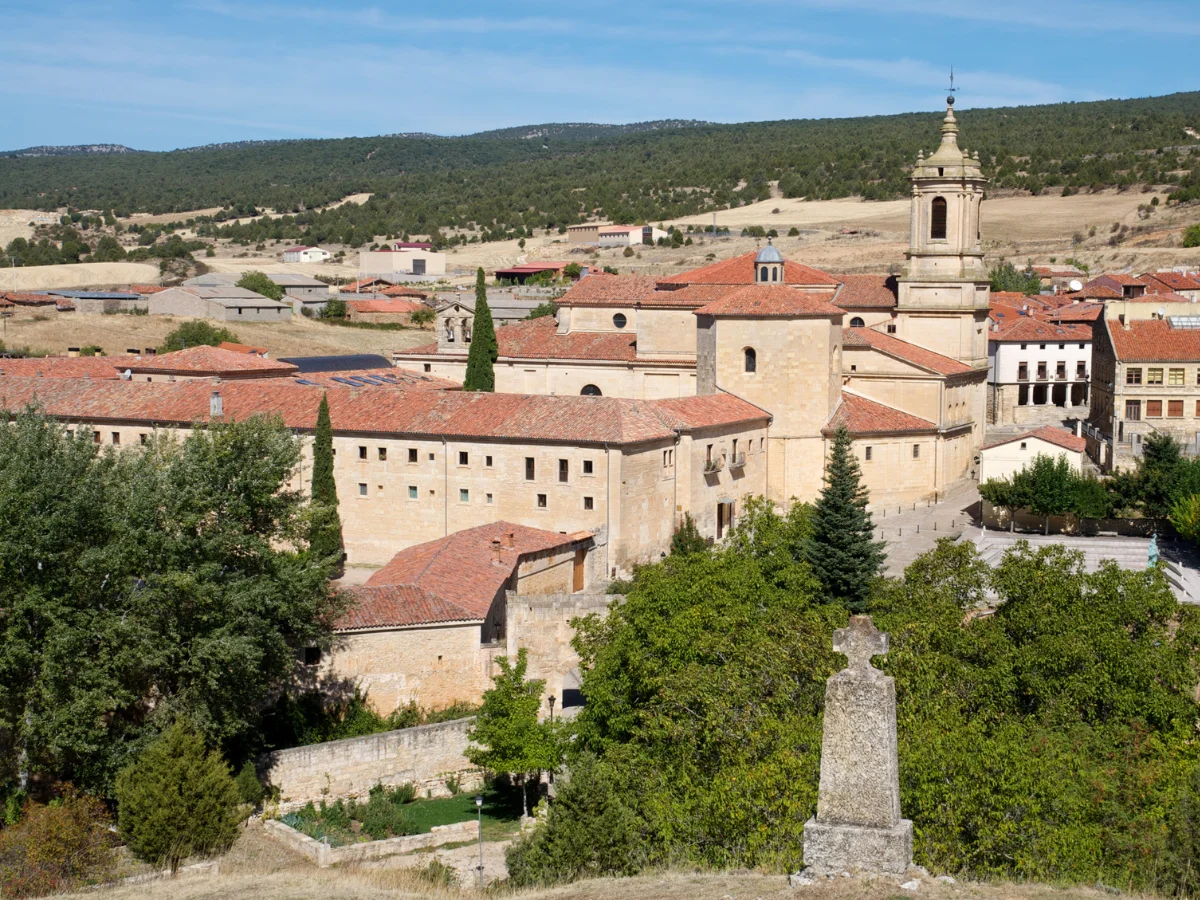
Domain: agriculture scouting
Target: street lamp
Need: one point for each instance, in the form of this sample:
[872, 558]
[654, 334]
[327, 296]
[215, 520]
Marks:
[551, 699]
[479, 810]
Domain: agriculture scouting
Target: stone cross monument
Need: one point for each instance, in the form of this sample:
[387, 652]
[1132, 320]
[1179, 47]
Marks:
[858, 825]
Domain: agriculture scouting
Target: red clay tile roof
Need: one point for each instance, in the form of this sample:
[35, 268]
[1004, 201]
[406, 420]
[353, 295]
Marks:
[539, 339]
[105, 367]
[610, 290]
[903, 350]
[146, 288]
[551, 419]
[451, 579]
[391, 306]
[363, 283]
[693, 296]
[399, 290]
[1170, 281]
[740, 270]
[867, 291]
[1077, 312]
[387, 377]
[1017, 300]
[866, 417]
[1153, 340]
[242, 348]
[1093, 291]
[1060, 437]
[1026, 329]
[773, 301]
[211, 361]
[29, 298]
[1121, 279]
[1162, 297]
[1056, 271]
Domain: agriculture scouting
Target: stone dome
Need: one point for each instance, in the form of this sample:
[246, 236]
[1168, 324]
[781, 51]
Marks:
[769, 254]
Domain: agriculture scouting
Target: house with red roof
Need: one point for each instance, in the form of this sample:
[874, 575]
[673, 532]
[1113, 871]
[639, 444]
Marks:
[1007, 456]
[427, 626]
[1038, 368]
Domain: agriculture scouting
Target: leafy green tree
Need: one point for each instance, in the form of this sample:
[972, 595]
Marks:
[843, 552]
[108, 249]
[325, 539]
[484, 349]
[687, 538]
[1005, 277]
[1007, 494]
[1185, 517]
[507, 737]
[141, 586]
[260, 283]
[547, 308]
[58, 847]
[196, 333]
[1191, 236]
[335, 308]
[1049, 484]
[423, 316]
[572, 270]
[177, 799]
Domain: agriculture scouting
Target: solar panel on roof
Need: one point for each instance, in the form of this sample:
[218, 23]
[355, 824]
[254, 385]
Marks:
[345, 381]
[306, 381]
[1189, 323]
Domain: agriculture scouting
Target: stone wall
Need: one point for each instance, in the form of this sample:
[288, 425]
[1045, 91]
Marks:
[324, 855]
[425, 756]
[542, 626]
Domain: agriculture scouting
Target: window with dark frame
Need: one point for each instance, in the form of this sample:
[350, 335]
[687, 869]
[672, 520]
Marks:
[588, 503]
[362, 452]
[541, 501]
[412, 454]
[1133, 410]
[1133, 376]
[564, 470]
[530, 469]
[937, 219]
[587, 467]
[464, 458]
[383, 454]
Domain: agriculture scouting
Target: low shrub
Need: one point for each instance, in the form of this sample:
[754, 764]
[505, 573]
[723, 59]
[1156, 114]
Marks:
[249, 788]
[56, 848]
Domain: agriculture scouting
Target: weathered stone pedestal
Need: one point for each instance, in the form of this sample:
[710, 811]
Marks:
[858, 826]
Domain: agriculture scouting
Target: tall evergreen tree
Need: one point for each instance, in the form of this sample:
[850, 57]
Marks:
[842, 550]
[325, 537]
[484, 349]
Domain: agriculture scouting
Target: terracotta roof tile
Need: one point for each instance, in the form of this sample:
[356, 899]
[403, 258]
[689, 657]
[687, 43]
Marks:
[388, 377]
[242, 348]
[539, 339]
[451, 579]
[774, 301]
[389, 305]
[29, 298]
[551, 419]
[1077, 312]
[146, 288]
[740, 270]
[867, 291]
[1121, 279]
[1027, 329]
[903, 350]
[610, 290]
[1153, 340]
[205, 360]
[1060, 437]
[1160, 297]
[1170, 281]
[103, 367]
[364, 284]
[865, 417]
[1093, 291]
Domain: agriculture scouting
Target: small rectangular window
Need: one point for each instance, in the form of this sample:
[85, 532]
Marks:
[1022, 371]
[362, 452]
[1133, 376]
[1062, 346]
[383, 454]
[116, 438]
[1153, 409]
[412, 454]
[588, 503]
[1133, 410]
[95, 437]
[564, 471]
[587, 467]
[529, 468]
[1080, 370]
[1023, 346]
[487, 461]
[489, 499]
[1041, 346]
[1041, 371]
[1154, 376]
[1060, 371]
[916, 451]
[1175, 377]
[867, 454]
[1083, 346]
[428, 367]
[1175, 409]
[1023, 445]
[412, 492]
[362, 489]
[541, 501]
[463, 458]
[312, 656]
[143, 438]
[431, 457]
[464, 495]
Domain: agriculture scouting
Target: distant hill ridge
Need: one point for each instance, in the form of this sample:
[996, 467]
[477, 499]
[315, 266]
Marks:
[70, 150]
[510, 181]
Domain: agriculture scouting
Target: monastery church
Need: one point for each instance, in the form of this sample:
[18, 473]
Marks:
[900, 361]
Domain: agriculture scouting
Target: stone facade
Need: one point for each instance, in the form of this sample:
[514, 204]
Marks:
[425, 756]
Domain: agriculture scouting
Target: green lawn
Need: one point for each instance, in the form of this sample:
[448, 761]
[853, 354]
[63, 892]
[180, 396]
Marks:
[501, 812]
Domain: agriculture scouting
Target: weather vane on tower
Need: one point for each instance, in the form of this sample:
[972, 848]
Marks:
[953, 89]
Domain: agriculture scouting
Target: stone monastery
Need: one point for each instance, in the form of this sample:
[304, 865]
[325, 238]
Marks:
[645, 399]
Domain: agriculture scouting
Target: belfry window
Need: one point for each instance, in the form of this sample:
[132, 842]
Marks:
[857, 322]
[937, 222]
[775, 274]
[751, 360]
[763, 274]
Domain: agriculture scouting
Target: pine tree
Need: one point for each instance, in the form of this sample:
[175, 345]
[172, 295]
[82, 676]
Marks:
[325, 535]
[177, 799]
[484, 349]
[842, 550]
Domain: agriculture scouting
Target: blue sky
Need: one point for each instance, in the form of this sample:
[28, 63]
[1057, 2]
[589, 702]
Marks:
[162, 75]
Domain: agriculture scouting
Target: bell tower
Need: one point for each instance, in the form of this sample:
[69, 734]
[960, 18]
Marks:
[942, 301]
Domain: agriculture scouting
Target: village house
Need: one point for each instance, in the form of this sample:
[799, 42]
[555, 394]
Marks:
[1034, 365]
[402, 261]
[1006, 457]
[224, 304]
[381, 308]
[306, 255]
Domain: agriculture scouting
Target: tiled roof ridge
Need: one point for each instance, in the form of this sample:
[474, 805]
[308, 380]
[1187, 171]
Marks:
[902, 349]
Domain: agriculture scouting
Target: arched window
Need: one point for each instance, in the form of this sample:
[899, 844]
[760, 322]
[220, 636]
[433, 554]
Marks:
[762, 276]
[751, 360]
[619, 320]
[590, 390]
[856, 322]
[937, 221]
[775, 274]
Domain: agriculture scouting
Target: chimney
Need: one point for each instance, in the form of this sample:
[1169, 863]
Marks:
[1078, 428]
[510, 540]
[216, 407]
[496, 560]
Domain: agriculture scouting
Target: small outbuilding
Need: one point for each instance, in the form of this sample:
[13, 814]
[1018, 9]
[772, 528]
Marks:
[1006, 457]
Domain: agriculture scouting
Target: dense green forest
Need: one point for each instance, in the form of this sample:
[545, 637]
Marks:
[510, 182]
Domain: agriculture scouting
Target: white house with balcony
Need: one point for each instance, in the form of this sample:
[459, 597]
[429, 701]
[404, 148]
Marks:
[1035, 367]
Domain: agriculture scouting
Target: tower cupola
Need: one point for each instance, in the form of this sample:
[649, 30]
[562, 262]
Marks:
[768, 265]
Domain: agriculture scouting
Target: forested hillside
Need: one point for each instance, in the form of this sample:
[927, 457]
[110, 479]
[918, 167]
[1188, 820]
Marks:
[515, 180]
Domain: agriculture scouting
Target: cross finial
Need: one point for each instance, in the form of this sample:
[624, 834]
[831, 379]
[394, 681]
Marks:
[860, 640]
[953, 89]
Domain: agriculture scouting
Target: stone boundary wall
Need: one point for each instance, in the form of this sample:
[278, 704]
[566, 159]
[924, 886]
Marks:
[996, 519]
[324, 855]
[425, 756]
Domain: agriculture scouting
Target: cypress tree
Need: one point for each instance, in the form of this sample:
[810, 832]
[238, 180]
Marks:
[484, 349]
[325, 536]
[842, 551]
